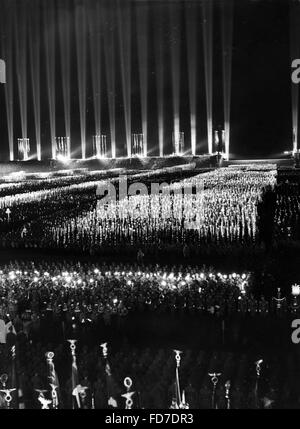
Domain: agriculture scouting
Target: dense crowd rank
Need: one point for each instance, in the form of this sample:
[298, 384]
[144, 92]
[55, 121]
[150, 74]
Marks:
[224, 210]
[218, 207]
[43, 305]
[87, 290]
[82, 292]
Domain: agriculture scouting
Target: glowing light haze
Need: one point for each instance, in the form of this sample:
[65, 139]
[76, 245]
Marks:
[85, 68]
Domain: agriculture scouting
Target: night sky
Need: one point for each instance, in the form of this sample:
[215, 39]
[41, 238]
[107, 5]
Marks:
[261, 123]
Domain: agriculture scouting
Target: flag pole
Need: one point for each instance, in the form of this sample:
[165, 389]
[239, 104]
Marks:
[258, 371]
[74, 373]
[178, 392]
[110, 399]
[128, 395]
[214, 379]
[14, 372]
[103, 346]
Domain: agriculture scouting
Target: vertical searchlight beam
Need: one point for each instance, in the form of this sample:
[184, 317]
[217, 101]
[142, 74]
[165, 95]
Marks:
[2, 71]
[124, 27]
[65, 55]
[81, 51]
[49, 44]
[227, 31]
[95, 57]
[34, 47]
[175, 66]
[110, 72]
[142, 29]
[190, 14]
[295, 52]
[21, 62]
[159, 64]
[7, 72]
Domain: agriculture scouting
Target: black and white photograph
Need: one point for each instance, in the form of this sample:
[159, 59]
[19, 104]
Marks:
[149, 207]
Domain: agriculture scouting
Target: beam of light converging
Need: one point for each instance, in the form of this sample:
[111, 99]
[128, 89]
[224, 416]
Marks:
[7, 55]
[124, 27]
[81, 50]
[95, 57]
[207, 21]
[295, 53]
[49, 39]
[142, 39]
[159, 64]
[227, 31]
[21, 61]
[34, 48]
[192, 67]
[109, 52]
[175, 66]
[65, 55]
